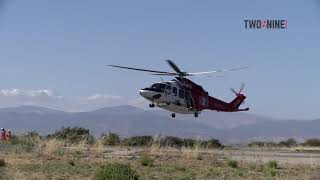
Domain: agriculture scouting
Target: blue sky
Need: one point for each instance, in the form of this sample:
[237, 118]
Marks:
[53, 53]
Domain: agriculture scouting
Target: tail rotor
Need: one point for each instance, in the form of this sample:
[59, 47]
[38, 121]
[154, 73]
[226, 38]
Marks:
[239, 93]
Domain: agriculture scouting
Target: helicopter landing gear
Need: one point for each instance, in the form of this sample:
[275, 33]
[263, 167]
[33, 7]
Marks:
[196, 115]
[151, 105]
[173, 115]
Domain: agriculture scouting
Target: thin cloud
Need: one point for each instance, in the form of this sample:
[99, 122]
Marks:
[31, 94]
[102, 97]
[39, 97]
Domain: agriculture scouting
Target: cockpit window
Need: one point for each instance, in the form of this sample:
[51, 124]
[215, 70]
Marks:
[159, 87]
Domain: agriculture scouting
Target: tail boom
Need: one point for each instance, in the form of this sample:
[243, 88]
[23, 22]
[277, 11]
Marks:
[233, 106]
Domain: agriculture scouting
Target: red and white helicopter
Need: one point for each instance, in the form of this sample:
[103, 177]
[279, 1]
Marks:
[181, 95]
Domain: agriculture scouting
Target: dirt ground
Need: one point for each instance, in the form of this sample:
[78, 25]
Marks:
[82, 162]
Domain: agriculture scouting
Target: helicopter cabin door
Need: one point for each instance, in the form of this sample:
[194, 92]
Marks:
[189, 100]
[171, 94]
[185, 100]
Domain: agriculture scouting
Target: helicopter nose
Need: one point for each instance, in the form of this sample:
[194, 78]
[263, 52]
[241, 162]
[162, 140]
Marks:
[150, 95]
[143, 93]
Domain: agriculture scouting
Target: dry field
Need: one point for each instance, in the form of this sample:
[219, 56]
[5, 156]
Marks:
[51, 160]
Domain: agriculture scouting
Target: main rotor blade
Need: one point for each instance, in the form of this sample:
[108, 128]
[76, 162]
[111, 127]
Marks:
[166, 74]
[217, 71]
[174, 67]
[137, 69]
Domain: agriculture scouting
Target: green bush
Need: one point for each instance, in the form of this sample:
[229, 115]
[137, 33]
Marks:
[272, 164]
[171, 141]
[272, 172]
[189, 142]
[262, 144]
[288, 143]
[232, 163]
[111, 139]
[73, 135]
[137, 141]
[311, 142]
[2, 163]
[211, 143]
[145, 160]
[116, 172]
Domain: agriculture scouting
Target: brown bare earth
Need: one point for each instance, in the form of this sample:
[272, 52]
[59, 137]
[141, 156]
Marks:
[50, 160]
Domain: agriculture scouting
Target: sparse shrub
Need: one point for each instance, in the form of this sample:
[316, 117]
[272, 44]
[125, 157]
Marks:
[239, 173]
[73, 135]
[26, 141]
[78, 153]
[211, 143]
[145, 160]
[232, 163]
[2, 163]
[33, 134]
[262, 144]
[50, 147]
[256, 144]
[71, 163]
[311, 142]
[116, 172]
[272, 164]
[111, 139]
[171, 141]
[273, 172]
[179, 168]
[137, 141]
[189, 142]
[288, 143]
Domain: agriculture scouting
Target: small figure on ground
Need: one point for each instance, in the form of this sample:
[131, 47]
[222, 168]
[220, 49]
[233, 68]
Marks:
[3, 134]
[9, 135]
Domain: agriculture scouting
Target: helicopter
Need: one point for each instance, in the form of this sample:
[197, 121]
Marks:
[181, 95]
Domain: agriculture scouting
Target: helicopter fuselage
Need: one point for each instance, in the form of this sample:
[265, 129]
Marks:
[183, 96]
[170, 95]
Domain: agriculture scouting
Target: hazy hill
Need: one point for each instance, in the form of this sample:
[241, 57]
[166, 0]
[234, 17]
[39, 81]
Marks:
[128, 120]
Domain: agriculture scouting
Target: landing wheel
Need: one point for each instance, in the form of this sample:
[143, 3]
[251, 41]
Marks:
[173, 115]
[151, 105]
[196, 115]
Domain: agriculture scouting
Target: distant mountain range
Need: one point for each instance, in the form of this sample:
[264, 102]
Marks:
[128, 121]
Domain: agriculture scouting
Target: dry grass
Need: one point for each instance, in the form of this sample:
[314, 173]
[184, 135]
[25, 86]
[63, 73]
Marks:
[49, 147]
[55, 159]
